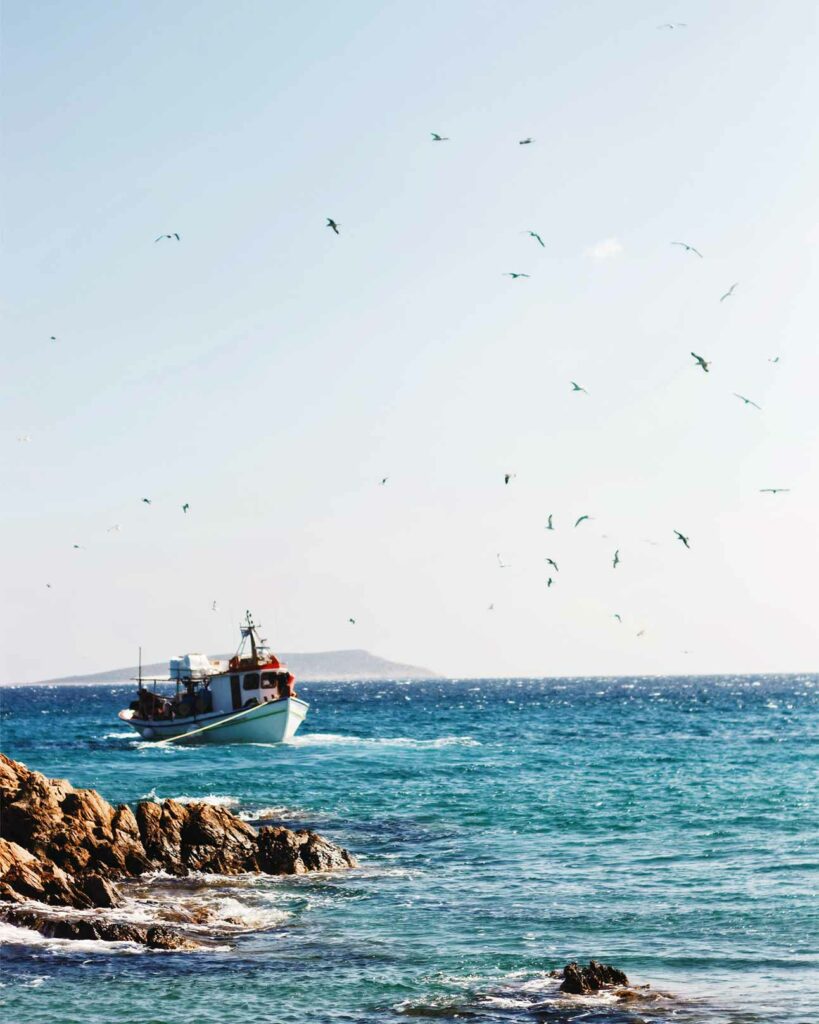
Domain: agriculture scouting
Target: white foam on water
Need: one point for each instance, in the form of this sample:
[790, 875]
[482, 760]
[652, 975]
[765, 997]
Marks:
[12, 935]
[330, 739]
[210, 798]
[119, 736]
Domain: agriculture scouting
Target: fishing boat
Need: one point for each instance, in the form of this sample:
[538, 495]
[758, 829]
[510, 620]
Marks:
[249, 699]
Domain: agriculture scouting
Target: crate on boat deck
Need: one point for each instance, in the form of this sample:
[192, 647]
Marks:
[190, 666]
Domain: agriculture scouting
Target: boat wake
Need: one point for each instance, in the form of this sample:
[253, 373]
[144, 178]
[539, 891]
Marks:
[331, 739]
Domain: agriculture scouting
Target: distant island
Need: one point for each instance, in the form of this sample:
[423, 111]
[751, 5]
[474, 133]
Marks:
[321, 665]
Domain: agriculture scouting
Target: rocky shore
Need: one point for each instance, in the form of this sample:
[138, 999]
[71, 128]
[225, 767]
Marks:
[70, 848]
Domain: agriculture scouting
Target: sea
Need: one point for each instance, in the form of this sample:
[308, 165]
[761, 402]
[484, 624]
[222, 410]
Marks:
[504, 827]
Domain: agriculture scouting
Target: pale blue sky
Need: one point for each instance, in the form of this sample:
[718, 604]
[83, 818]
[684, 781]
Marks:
[270, 373]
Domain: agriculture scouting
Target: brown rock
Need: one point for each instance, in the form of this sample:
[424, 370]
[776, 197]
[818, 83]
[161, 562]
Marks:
[155, 936]
[66, 846]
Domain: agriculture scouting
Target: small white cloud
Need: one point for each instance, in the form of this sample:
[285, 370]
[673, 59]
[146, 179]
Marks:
[606, 250]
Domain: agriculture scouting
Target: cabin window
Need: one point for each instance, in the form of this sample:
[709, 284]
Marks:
[270, 680]
[251, 681]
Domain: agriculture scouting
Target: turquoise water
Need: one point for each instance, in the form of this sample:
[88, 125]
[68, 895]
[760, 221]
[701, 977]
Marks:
[668, 826]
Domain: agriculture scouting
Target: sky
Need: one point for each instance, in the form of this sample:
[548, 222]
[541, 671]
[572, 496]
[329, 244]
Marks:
[270, 373]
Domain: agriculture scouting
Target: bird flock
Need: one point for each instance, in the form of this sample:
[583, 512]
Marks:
[700, 362]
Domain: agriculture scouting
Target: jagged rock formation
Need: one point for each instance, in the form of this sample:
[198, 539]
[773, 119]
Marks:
[68, 847]
[582, 980]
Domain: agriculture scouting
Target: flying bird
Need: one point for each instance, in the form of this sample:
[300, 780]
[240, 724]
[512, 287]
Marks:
[491, 608]
[674, 24]
[439, 138]
[747, 401]
[113, 529]
[616, 560]
[514, 275]
[384, 479]
[48, 586]
[549, 522]
[146, 501]
[701, 362]
[549, 582]
[641, 633]
[537, 238]
[185, 507]
[24, 438]
[213, 607]
[173, 235]
[553, 563]
[616, 616]
[78, 547]
[681, 537]
[576, 387]
[730, 292]
[508, 476]
[525, 142]
[352, 621]
[774, 360]
[332, 224]
[689, 248]
[581, 519]
[774, 490]
[52, 338]
[501, 563]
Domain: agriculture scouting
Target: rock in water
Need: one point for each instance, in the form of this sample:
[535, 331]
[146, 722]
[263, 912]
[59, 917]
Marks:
[582, 980]
[66, 846]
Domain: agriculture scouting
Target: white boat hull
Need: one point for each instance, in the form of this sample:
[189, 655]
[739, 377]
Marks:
[268, 722]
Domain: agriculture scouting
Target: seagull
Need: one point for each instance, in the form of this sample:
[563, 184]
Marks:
[688, 248]
[24, 438]
[439, 138]
[525, 142]
[747, 401]
[616, 616]
[78, 547]
[774, 490]
[508, 476]
[641, 633]
[113, 529]
[146, 501]
[681, 537]
[332, 224]
[185, 507]
[513, 275]
[553, 563]
[549, 523]
[672, 25]
[580, 520]
[701, 362]
[384, 479]
[616, 560]
[501, 563]
[549, 582]
[730, 292]
[491, 608]
[213, 607]
[48, 586]
[352, 621]
[52, 338]
[536, 236]
[173, 235]
[774, 360]
[576, 387]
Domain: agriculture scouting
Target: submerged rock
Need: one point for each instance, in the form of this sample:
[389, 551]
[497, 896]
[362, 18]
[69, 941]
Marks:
[65, 846]
[582, 980]
[155, 936]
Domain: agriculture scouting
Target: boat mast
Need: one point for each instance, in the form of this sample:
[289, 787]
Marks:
[139, 672]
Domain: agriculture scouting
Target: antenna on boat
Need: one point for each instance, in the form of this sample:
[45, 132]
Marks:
[139, 671]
